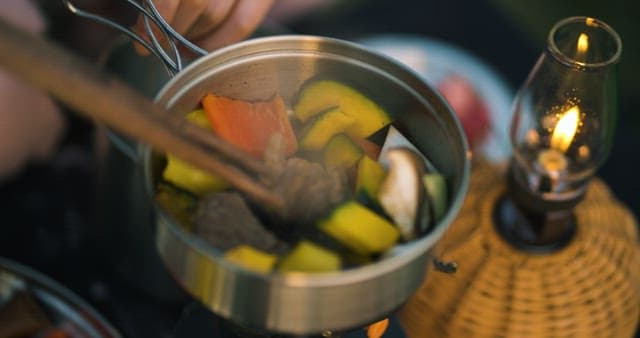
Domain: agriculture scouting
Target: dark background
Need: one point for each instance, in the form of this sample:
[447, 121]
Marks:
[79, 218]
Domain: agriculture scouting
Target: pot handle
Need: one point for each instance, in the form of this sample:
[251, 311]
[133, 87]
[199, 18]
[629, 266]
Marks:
[170, 55]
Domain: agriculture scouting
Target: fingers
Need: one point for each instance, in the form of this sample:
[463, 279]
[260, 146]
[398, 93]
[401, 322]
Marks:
[31, 124]
[167, 9]
[23, 14]
[210, 24]
[187, 13]
[213, 15]
[243, 20]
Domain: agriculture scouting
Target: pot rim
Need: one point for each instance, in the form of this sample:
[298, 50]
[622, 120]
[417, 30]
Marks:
[410, 251]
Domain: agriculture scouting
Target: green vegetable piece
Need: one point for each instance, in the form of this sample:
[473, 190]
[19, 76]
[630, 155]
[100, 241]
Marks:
[177, 203]
[436, 187]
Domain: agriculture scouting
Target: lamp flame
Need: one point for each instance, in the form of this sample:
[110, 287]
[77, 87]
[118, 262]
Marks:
[583, 43]
[565, 130]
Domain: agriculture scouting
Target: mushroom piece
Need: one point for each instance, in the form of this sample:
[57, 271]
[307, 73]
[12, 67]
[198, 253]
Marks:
[402, 193]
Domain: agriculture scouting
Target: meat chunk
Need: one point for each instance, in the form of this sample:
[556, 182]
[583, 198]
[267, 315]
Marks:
[225, 220]
[310, 190]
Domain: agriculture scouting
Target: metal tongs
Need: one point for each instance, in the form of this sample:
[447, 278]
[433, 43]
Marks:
[169, 54]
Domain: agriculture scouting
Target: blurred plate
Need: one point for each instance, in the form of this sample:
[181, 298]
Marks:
[63, 308]
[436, 61]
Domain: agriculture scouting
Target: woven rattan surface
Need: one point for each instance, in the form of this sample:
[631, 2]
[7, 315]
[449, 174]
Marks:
[590, 288]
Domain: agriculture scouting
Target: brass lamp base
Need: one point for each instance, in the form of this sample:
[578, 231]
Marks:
[588, 288]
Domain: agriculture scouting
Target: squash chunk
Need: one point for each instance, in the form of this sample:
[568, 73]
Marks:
[188, 177]
[191, 178]
[199, 118]
[360, 229]
[309, 257]
[322, 129]
[369, 176]
[322, 95]
[251, 258]
[341, 152]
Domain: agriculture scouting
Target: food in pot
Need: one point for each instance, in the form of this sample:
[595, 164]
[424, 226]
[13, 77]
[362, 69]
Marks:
[360, 229]
[307, 256]
[188, 177]
[369, 176]
[437, 192]
[341, 152]
[402, 194]
[321, 187]
[225, 221]
[323, 128]
[250, 125]
[251, 258]
[318, 96]
[363, 196]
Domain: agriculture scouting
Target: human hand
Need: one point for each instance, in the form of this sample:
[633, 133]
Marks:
[30, 123]
[212, 24]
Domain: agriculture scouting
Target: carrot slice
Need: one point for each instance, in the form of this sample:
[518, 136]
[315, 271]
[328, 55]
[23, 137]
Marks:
[250, 125]
[377, 329]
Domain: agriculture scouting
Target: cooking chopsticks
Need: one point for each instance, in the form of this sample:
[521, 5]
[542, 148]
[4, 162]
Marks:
[103, 98]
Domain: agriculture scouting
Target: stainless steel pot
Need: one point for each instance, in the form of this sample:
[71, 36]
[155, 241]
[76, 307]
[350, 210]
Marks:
[298, 303]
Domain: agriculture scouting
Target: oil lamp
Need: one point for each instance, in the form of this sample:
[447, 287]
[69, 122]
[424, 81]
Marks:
[545, 249]
[561, 132]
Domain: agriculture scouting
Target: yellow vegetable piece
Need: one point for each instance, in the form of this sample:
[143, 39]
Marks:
[251, 258]
[341, 152]
[323, 128]
[199, 118]
[369, 176]
[321, 95]
[191, 178]
[309, 257]
[360, 229]
[187, 176]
